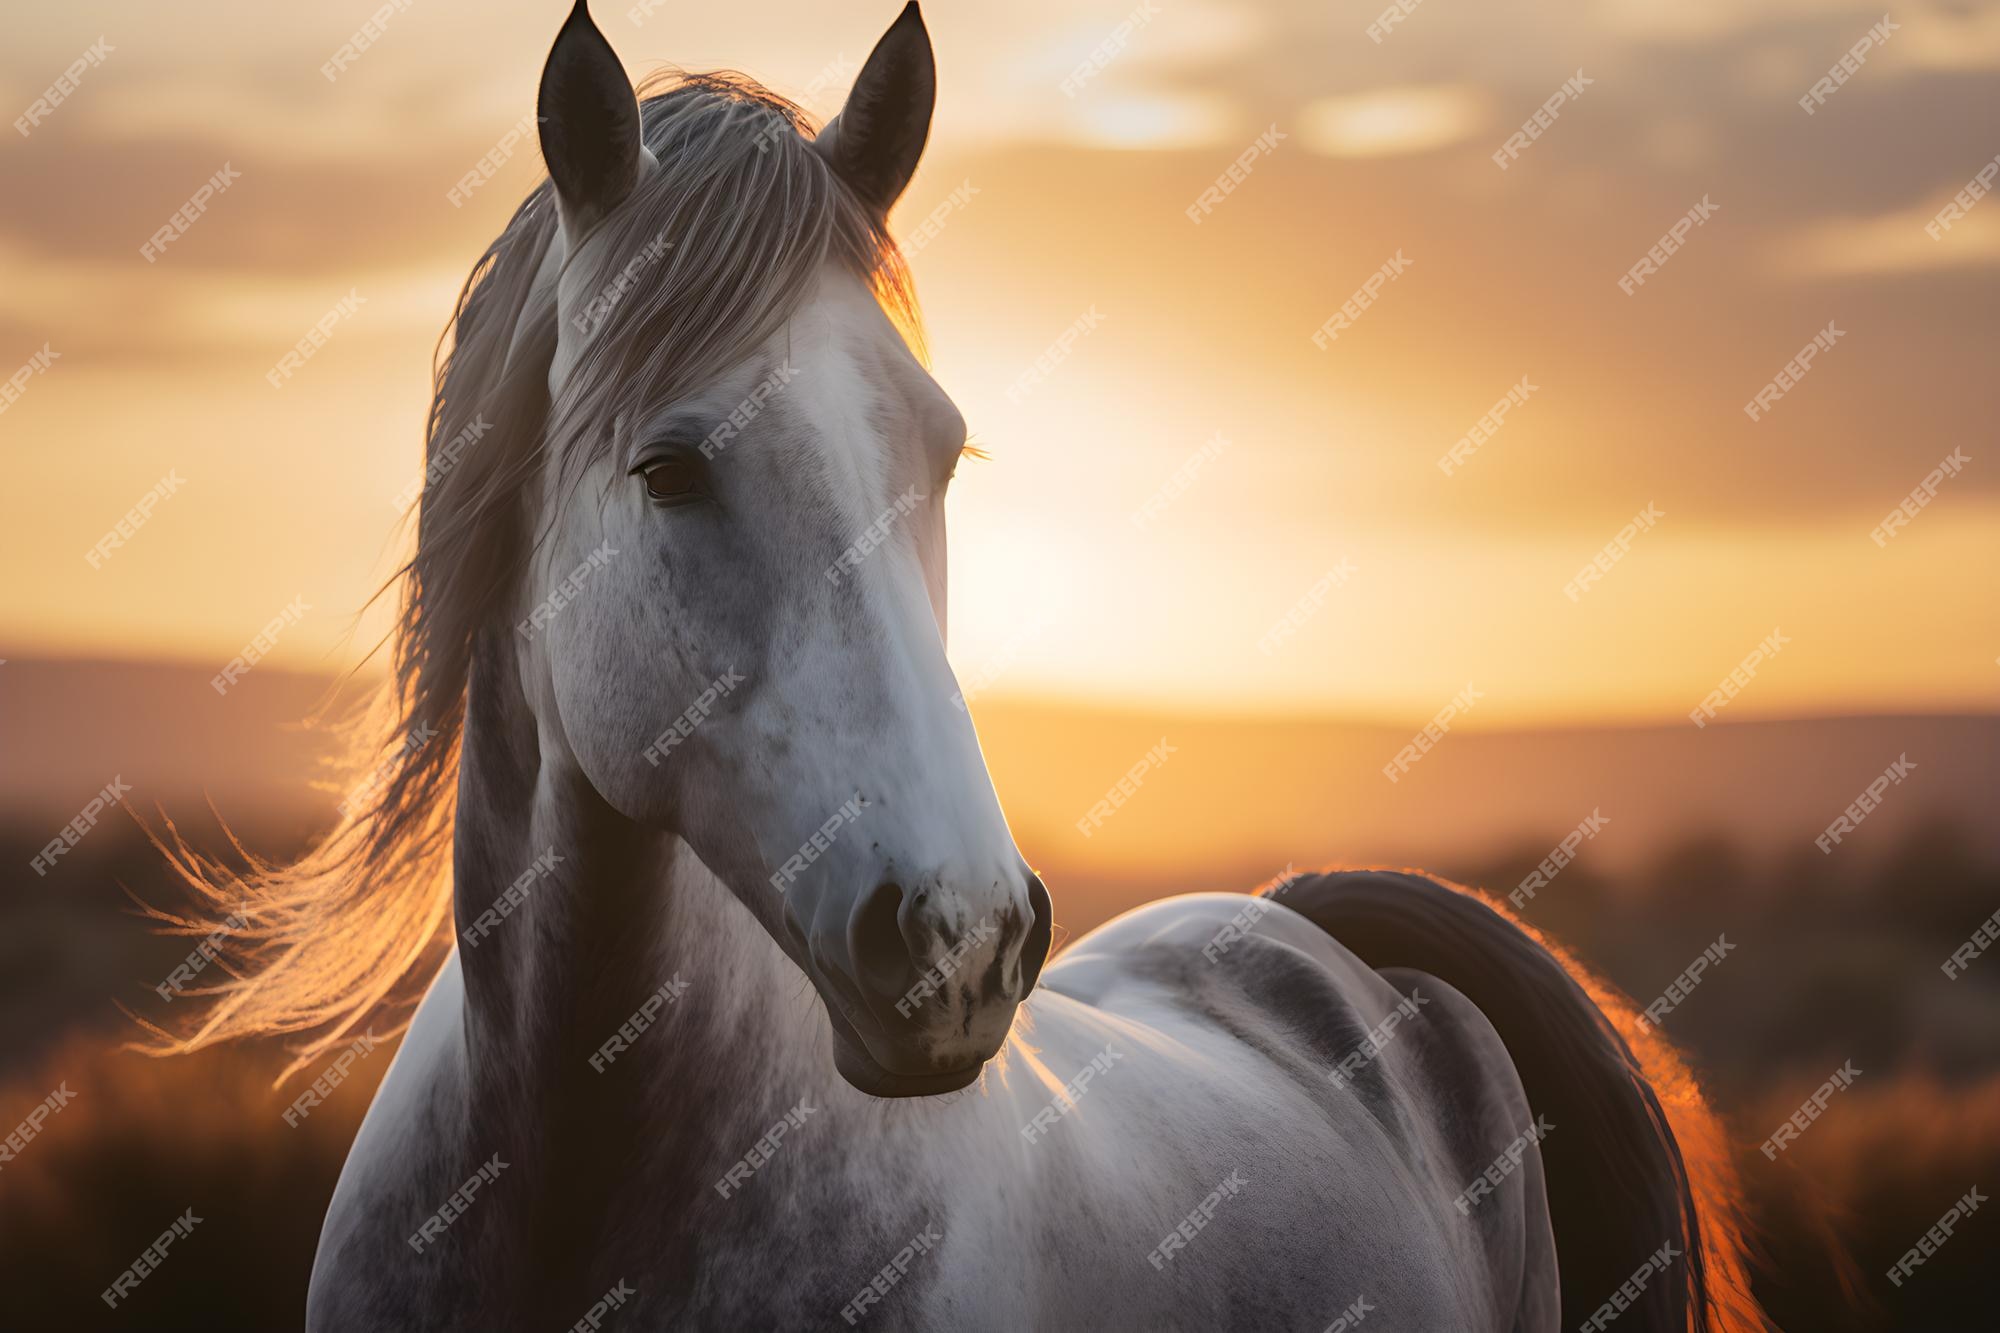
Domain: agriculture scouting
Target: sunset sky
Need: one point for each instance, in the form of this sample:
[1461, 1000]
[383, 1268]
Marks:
[1055, 208]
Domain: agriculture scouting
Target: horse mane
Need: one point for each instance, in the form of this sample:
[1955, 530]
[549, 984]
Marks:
[714, 250]
[1642, 1157]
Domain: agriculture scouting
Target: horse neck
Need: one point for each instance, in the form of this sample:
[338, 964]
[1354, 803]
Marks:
[595, 915]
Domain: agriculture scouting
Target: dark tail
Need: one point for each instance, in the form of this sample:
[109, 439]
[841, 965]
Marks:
[1637, 1160]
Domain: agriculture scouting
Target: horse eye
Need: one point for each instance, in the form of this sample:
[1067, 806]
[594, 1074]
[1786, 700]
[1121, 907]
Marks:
[669, 478]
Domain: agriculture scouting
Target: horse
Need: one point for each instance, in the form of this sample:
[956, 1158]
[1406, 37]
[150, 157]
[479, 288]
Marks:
[739, 1006]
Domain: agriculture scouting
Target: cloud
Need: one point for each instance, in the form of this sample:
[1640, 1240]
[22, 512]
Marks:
[1154, 121]
[1390, 122]
[1889, 243]
[1929, 34]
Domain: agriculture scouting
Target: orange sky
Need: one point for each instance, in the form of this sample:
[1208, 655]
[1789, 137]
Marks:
[1051, 206]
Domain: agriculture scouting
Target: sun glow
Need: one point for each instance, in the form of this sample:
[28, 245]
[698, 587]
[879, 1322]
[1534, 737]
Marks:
[1392, 121]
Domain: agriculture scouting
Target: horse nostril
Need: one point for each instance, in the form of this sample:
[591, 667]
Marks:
[1035, 949]
[881, 955]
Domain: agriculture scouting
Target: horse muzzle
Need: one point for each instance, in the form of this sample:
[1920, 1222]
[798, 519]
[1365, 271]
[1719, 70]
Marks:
[921, 987]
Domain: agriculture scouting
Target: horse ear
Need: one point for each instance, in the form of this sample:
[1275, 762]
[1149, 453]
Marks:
[875, 141]
[589, 123]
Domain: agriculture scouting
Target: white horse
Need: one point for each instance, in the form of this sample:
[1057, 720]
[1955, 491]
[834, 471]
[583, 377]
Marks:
[747, 1024]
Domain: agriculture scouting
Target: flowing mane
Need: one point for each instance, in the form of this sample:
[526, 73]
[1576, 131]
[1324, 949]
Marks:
[716, 249]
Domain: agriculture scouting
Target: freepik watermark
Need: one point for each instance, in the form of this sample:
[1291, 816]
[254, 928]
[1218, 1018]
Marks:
[1864, 804]
[188, 213]
[818, 844]
[1408, 1009]
[1792, 372]
[1327, 334]
[363, 37]
[419, 735]
[1612, 552]
[509, 898]
[1538, 124]
[149, 1259]
[1503, 1166]
[1737, 680]
[587, 320]
[933, 224]
[1631, 1289]
[1238, 927]
[1183, 477]
[834, 73]
[890, 1274]
[614, 1299]
[1666, 247]
[1683, 985]
[1848, 65]
[433, 1227]
[1107, 50]
[1961, 203]
[66, 83]
[739, 1173]
[693, 716]
[1809, 1110]
[1486, 427]
[1054, 354]
[933, 978]
[724, 433]
[1125, 788]
[874, 536]
[1357, 1310]
[643, 1017]
[1919, 499]
[1306, 607]
[1434, 731]
[1933, 1240]
[1043, 1122]
[565, 592]
[1378, 31]
[17, 383]
[1226, 184]
[442, 461]
[316, 337]
[258, 648]
[1559, 856]
[1984, 936]
[135, 518]
[331, 1077]
[30, 1127]
[489, 164]
[198, 959]
[73, 832]
[1197, 1219]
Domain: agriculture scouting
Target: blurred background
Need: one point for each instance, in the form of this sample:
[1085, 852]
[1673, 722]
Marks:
[1196, 524]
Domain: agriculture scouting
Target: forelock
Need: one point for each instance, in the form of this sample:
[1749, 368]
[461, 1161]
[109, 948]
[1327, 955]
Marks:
[711, 254]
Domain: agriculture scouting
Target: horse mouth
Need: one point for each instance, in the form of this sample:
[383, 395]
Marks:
[861, 1069]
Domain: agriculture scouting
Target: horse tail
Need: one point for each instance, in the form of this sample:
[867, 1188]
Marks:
[1638, 1158]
